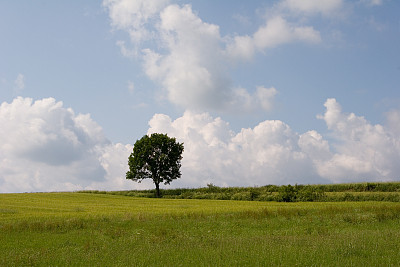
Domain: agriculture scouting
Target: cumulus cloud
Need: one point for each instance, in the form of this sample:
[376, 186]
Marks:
[272, 153]
[268, 153]
[192, 61]
[276, 31]
[46, 147]
[193, 70]
[262, 98]
[133, 16]
[364, 151]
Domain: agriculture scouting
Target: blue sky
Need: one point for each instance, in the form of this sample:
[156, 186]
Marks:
[288, 91]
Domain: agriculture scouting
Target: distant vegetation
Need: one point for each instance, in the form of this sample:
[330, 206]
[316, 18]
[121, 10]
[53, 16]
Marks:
[285, 193]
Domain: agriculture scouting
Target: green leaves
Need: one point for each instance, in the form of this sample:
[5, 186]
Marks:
[156, 157]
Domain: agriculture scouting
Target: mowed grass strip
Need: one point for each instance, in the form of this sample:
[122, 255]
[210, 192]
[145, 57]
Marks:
[64, 229]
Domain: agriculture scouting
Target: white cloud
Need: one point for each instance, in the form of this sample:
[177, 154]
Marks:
[268, 153]
[262, 98]
[46, 147]
[19, 83]
[193, 71]
[313, 144]
[133, 16]
[241, 47]
[271, 153]
[363, 151]
[192, 60]
[278, 31]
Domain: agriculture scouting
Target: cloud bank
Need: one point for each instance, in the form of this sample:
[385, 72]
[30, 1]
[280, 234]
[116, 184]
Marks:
[272, 153]
[46, 147]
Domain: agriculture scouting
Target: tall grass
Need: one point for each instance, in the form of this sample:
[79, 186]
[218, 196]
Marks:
[70, 229]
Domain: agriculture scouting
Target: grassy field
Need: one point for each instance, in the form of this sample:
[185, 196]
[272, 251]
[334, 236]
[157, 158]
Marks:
[79, 229]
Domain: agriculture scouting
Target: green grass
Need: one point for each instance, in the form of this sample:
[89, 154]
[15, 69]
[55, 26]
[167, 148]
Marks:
[71, 229]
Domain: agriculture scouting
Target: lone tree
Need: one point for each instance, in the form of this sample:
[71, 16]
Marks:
[157, 157]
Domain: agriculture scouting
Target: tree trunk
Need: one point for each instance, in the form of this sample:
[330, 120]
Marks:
[157, 189]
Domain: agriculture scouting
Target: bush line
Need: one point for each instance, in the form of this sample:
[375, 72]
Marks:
[284, 193]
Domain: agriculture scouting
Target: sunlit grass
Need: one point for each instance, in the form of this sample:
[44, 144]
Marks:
[59, 229]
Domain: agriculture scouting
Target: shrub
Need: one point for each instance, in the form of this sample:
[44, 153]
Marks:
[287, 193]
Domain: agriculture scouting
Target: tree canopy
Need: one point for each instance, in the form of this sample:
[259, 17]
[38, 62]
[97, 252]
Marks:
[156, 157]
